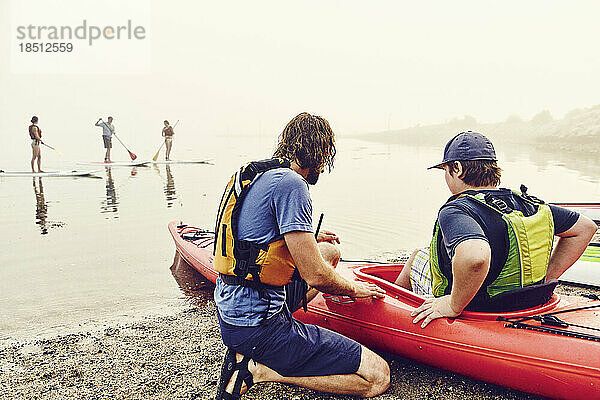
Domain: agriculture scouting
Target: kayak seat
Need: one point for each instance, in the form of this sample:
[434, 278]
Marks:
[386, 272]
[518, 299]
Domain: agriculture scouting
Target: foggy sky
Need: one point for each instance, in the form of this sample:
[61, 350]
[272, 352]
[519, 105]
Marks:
[249, 66]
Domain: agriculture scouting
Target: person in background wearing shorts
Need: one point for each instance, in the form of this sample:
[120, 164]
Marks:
[264, 341]
[35, 134]
[492, 248]
[107, 131]
[168, 133]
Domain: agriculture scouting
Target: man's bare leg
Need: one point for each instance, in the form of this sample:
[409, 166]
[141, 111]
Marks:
[371, 379]
[403, 280]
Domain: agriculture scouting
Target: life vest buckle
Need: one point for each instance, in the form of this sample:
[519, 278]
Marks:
[497, 203]
[530, 197]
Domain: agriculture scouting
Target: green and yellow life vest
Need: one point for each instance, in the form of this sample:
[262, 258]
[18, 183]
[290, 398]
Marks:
[244, 262]
[530, 240]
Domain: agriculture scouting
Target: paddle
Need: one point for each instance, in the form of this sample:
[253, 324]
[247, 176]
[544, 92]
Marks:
[162, 144]
[50, 147]
[133, 156]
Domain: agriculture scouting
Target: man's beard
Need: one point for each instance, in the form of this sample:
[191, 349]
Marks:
[313, 176]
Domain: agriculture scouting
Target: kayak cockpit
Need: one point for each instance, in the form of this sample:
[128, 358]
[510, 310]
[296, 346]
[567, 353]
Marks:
[384, 275]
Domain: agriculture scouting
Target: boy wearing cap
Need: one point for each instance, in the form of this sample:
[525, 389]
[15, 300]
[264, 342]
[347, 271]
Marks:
[492, 249]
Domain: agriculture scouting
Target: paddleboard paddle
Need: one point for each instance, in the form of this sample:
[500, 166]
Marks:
[133, 156]
[50, 147]
[161, 145]
[156, 155]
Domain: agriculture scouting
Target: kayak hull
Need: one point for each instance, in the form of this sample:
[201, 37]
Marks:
[475, 345]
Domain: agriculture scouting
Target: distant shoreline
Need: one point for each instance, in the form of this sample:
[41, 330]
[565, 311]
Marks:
[578, 132]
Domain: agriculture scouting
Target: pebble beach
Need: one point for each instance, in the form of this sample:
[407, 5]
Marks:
[179, 357]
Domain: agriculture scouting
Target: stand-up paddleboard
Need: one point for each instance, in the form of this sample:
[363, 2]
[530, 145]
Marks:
[116, 163]
[181, 162]
[49, 173]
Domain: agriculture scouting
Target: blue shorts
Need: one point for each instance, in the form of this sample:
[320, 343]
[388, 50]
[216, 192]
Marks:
[292, 348]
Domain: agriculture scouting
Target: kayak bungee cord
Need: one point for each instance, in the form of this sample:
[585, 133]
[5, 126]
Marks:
[548, 329]
[192, 234]
[552, 324]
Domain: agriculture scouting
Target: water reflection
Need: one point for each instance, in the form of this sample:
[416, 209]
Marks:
[170, 193]
[586, 163]
[111, 203]
[41, 206]
[169, 185]
[196, 288]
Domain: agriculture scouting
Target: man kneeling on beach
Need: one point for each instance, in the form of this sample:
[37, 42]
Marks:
[270, 264]
[492, 248]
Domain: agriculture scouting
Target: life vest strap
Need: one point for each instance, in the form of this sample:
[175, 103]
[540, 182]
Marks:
[239, 281]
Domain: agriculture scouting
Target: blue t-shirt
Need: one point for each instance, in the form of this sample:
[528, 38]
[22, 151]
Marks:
[277, 203]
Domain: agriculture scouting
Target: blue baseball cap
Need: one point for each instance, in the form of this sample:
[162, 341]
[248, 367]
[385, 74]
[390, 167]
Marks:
[467, 146]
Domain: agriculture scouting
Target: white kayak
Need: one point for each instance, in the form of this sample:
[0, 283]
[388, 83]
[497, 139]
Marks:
[49, 173]
[181, 162]
[116, 163]
[590, 210]
[586, 270]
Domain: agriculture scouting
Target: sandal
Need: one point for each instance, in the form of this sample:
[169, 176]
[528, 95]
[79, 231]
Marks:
[227, 370]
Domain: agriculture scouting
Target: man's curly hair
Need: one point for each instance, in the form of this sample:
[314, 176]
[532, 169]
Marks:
[309, 140]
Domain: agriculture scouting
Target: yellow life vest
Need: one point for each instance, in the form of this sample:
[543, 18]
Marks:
[530, 240]
[245, 262]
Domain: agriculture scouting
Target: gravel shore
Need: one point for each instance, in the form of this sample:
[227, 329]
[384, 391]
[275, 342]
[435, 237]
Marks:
[179, 357]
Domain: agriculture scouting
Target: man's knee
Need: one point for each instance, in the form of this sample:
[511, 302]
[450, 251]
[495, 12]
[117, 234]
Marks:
[330, 252]
[376, 371]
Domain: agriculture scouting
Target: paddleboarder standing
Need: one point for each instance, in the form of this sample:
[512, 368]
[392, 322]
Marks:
[168, 134]
[35, 133]
[108, 129]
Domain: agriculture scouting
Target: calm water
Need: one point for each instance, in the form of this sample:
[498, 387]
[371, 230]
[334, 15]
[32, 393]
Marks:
[81, 252]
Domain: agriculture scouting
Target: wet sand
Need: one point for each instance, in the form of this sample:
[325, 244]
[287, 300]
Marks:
[179, 357]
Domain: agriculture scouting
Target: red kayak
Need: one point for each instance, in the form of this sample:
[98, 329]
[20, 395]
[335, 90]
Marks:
[552, 350]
